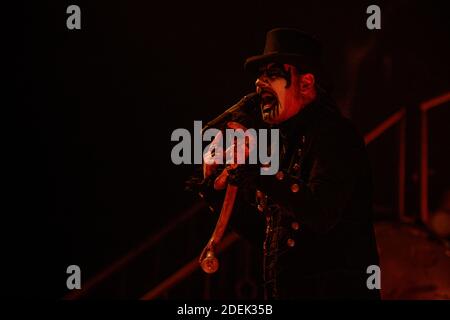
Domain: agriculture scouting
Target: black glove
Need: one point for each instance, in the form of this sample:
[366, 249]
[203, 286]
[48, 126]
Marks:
[244, 176]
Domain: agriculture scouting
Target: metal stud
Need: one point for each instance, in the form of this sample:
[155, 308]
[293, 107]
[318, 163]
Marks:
[295, 187]
[261, 200]
[291, 242]
[279, 175]
[295, 225]
[259, 194]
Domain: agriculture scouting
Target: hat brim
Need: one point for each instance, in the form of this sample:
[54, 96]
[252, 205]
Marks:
[252, 64]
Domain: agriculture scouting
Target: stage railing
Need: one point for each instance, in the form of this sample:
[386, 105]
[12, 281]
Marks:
[134, 253]
[398, 117]
[425, 107]
[185, 271]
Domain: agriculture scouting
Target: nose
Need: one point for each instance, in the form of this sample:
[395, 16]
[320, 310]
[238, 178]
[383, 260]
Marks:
[261, 82]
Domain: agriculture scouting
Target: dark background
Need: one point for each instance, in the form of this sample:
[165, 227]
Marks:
[90, 174]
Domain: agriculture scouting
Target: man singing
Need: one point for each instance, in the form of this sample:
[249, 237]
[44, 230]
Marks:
[313, 218]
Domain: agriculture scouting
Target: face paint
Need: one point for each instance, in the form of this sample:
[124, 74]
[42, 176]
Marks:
[274, 71]
[278, 88]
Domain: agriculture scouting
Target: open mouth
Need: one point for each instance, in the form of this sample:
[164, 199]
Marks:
[268, 102]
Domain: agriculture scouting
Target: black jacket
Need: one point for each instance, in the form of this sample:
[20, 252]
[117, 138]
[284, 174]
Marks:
[315, 225]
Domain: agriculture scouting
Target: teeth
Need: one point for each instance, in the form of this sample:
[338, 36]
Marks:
[268, 102]
[267, 107]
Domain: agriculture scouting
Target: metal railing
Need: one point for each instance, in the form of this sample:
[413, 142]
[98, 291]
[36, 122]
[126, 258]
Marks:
[425, 107]
[398, 117]
[185, 271]
[134, 253]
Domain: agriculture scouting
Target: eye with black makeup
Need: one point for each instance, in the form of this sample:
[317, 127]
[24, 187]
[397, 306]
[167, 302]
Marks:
[275, 71]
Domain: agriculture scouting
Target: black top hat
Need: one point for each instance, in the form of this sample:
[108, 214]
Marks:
[288, 45]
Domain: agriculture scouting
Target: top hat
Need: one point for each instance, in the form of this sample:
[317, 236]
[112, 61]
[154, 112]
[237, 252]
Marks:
[288, 45]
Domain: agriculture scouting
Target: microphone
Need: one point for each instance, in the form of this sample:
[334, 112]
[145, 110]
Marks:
[246, 104]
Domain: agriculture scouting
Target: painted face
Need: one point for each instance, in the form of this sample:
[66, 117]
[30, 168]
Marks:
[279, 88]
